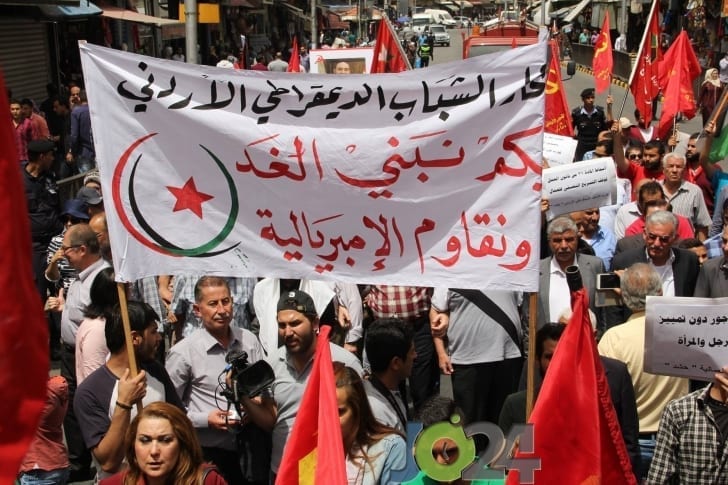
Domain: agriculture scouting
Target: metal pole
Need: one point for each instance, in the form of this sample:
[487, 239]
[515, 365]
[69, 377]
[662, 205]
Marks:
[623, 30]
[191, 15]
[314, 33]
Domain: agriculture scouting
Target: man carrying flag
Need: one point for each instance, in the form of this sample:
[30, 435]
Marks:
[294, 366]
[602, 63]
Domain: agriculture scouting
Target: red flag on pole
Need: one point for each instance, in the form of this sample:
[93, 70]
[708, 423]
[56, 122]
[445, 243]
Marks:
[314, 452]
[643, 81]
[294, 64]
[678, 70]
[23, 327]
[603, 62]
[580, 442]
[388, 55]
[557, 119]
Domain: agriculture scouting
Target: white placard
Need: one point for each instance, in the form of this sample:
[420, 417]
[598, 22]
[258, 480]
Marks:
[686, 337]
[357, 60]
[558, 149]
[577, 186]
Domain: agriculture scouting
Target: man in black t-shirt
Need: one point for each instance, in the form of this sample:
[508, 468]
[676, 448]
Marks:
[588, 120]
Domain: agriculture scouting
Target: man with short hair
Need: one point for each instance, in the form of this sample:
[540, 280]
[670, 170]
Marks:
[99, 227]
[690, 445]
[677, 268]
[626, 343]
[685, 198]
[81, 249]
[22, 130]
[105, 401]
[651, 167]
[298, 327]
[554, 295]
[61, 135]
[39, 126]
[259, 64]
[278, 64]
[390, 350]
[81, 150]
[647, 190]
[588, 120]
[195, 364]
[694, 172]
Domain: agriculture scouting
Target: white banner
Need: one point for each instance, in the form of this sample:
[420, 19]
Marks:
[686, 337]
[428, 177]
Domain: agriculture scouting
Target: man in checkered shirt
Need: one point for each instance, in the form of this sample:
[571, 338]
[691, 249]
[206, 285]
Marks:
[691, 442]
[411, 304]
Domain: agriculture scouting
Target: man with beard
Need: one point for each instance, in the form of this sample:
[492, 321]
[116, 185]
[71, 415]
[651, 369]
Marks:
[105, 401]
[651, 167]
[694, 172]
[298, 325]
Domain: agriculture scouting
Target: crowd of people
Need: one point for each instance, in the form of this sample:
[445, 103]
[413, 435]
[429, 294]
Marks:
[665, 235]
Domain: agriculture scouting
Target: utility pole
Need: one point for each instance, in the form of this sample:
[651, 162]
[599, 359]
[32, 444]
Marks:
[191, 15]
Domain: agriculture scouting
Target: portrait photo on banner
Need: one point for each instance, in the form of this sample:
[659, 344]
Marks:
[342, 61]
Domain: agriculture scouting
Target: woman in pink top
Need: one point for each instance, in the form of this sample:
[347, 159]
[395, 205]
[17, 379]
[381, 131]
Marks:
[91, 350]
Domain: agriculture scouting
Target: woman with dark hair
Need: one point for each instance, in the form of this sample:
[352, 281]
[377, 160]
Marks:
[162, 448]
[91, 350]
[372, 449]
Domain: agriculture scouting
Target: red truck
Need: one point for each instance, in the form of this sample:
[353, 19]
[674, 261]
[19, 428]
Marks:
[510, 29]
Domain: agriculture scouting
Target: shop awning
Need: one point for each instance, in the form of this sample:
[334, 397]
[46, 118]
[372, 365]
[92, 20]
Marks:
[66, 12]
[463, 3]
[241, 3]
[576, 10]
[140, 18]
[294, 10]
[335, 21]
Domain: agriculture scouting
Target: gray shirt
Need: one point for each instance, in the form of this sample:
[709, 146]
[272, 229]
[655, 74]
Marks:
[474, 337]
[194, 365]
[77, 300]
[288, 392]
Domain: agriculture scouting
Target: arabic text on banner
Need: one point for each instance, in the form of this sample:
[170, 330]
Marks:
[428, 177]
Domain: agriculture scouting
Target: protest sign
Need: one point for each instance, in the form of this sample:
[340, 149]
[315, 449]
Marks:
[418, 178]
[577, 186]
[342, 61]
[686, 337]
[558, 149]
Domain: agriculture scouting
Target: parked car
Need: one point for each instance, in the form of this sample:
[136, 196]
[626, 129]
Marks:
[440, 35]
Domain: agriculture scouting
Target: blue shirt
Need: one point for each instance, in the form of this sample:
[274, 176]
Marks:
[604, 245]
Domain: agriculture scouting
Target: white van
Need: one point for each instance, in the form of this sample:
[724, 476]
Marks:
[422, 20]
[442, 17]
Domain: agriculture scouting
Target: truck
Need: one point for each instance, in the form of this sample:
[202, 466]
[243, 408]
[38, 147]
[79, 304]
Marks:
[509, 29]
[420, 21]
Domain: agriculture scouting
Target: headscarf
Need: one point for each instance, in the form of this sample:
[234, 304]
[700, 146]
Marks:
[709, 77]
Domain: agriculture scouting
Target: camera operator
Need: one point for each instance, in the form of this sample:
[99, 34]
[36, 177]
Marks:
[298, 326]
[194, 365]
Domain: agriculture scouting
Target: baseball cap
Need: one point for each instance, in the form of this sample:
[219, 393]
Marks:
[89, 195]
[297, 300]
[75, 208]
[624, 122]
[41, 146]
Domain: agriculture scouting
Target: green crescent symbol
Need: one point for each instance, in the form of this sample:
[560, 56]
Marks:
[205, 250]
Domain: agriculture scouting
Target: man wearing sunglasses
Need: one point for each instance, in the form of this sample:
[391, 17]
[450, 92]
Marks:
[678, 268]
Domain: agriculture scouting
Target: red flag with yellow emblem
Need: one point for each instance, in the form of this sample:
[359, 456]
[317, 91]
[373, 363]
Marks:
[603, 62]
[557, 119]
[678, 70]
[314, 452]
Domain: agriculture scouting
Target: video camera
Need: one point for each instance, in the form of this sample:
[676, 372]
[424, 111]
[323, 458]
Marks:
[246, 379]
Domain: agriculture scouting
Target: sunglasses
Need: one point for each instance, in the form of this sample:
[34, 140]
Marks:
[72, 220]
[663, 239]
[634, 156]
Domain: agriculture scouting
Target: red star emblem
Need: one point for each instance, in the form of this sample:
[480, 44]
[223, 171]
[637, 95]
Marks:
[188, 197]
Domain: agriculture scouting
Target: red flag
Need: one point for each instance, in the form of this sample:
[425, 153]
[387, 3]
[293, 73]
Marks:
[578, 442]
[678, 70]
[602, 62]
[557, 119]
[294, 63]
[23, 327]
[388, 56]
[643, 81]
[314, 452]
